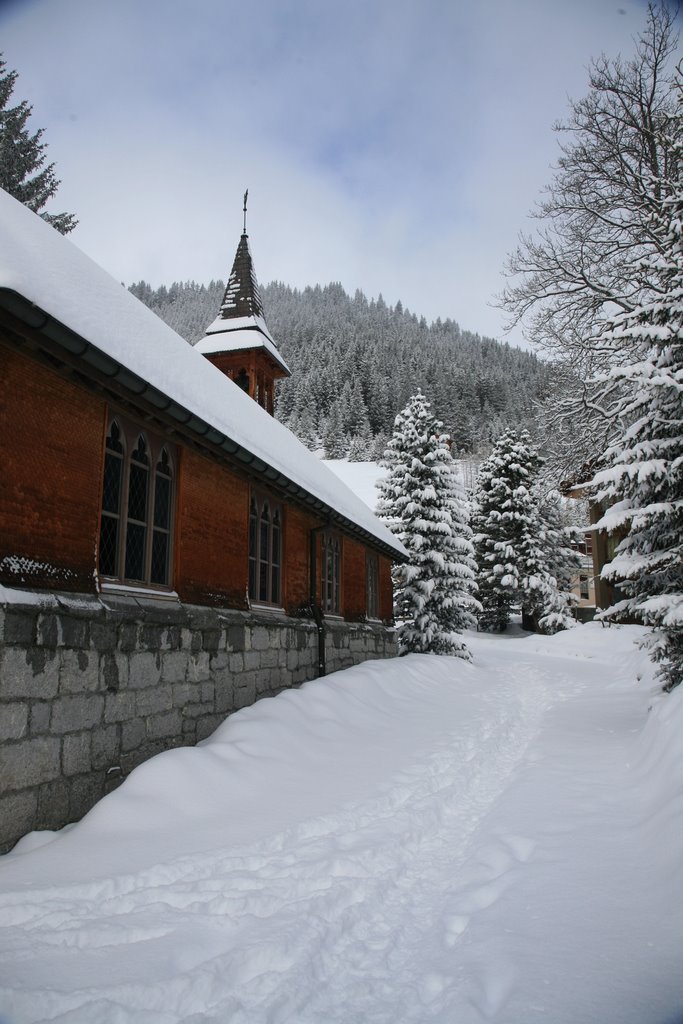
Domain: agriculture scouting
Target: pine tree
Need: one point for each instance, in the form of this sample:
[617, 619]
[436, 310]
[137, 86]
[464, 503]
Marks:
[503, 525]
[643, 481]
[22, 156]
[519, 542]
[434, 592]
[561, 537]
[335, 440]
[362, 445]
[461, 608]
[307, 431]
[547, 567]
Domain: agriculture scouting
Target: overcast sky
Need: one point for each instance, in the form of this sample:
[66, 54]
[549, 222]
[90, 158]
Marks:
[394, 145]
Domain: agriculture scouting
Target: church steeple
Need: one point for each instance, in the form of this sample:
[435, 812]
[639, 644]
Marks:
[242, 296]
[238, 342]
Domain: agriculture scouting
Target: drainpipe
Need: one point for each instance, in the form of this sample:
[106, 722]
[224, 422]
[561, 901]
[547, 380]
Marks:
[316, 610]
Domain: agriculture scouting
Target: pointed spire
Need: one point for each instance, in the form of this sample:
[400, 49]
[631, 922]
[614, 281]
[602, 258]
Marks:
[242, 296]
[240, 326]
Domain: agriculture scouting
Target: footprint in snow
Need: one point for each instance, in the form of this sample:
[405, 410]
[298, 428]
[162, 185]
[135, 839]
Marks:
[521, 847]
[455, 925]
[432, 986]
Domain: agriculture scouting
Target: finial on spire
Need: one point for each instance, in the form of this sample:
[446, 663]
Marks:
[245, 211]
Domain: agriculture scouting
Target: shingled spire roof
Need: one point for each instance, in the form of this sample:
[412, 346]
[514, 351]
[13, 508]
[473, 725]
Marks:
[241, 323]
[242, 296]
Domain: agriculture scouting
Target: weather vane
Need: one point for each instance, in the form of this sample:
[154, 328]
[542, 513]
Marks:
[245, 211]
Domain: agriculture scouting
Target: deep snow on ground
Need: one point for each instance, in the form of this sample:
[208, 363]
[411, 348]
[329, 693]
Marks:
[415, 840]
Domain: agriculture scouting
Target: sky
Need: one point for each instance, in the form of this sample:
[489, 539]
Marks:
[396, 146]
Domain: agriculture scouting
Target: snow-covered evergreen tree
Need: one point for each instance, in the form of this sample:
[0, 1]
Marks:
[306, 430]
[515, 543]
[434, 592]
[460, 606]
[334, 439]
[362, 446]
[562, 534]
[547, 568]
[643, 480]
[502, 524]
[22, 157]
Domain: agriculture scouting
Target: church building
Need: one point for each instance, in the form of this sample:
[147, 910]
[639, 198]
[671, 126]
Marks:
[169, 552]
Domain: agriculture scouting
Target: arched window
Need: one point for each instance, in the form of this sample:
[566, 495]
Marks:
[242, 380]
[265, 550]
[137, 506]
[330, 574]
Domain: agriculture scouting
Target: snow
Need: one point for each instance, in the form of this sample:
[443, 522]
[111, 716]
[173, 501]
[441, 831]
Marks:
[237, 333]
[408, 841]
[22, 567]
[41, 599]
[361, 477]
[240, 323]
[50, 271]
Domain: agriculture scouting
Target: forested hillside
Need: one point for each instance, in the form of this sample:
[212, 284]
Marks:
[355, 362]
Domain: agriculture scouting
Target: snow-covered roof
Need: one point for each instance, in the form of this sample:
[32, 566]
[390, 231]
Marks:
[240, 323]
[49, 271]
[237, 334]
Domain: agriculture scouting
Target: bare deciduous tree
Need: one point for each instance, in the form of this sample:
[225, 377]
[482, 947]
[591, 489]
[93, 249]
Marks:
[600, 221]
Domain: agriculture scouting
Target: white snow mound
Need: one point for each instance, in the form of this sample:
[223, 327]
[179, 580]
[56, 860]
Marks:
[407, 841]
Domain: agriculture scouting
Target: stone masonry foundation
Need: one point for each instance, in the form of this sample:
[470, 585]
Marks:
[91, 687]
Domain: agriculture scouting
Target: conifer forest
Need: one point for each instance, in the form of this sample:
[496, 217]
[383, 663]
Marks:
[356, 361]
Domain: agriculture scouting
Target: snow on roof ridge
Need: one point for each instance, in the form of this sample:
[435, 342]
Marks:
[54, 274]
[240, 323]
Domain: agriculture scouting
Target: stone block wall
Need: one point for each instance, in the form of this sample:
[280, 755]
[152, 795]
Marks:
[91, 687]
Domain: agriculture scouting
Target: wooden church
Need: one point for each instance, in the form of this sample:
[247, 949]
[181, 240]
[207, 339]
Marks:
[169, 552]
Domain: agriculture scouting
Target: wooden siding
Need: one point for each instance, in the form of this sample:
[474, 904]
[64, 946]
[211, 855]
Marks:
[298, 526]
[386, 592]
[354, 581]
[51, 444]
[211, 533]
[261, 369]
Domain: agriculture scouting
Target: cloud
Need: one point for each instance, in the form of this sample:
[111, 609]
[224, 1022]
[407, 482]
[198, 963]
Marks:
[395, 146]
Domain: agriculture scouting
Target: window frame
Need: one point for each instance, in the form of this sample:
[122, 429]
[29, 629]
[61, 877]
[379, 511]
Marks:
[272, 567]
[372, 585]
[330, 584]
[158, 521]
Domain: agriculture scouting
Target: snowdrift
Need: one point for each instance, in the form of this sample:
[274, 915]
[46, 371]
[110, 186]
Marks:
[417, 840]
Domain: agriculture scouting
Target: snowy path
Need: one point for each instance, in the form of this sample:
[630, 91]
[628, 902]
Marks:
[488, 812]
